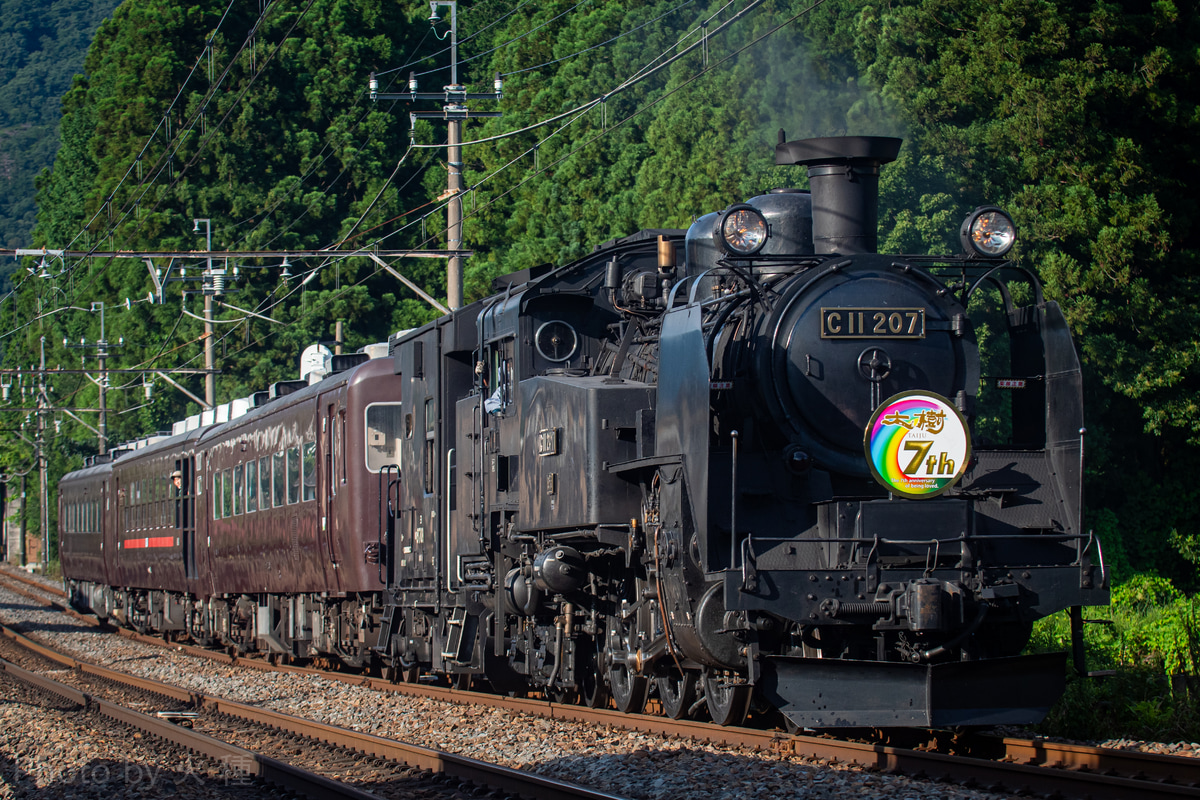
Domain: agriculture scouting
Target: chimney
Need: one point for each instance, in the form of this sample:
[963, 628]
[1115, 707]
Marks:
[843, 172]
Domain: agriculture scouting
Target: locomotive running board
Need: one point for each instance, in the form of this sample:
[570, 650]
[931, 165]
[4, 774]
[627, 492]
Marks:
[837, 693]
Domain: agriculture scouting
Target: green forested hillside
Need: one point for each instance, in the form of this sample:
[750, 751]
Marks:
[1077, 115]
[42, 45]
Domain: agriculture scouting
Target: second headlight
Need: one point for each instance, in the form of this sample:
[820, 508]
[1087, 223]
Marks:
[742, 230]
[989, 232]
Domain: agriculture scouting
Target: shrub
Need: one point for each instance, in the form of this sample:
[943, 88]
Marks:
[1151, 641]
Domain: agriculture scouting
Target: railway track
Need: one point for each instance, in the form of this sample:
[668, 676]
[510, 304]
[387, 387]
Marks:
[1010, 765]
[389, 768]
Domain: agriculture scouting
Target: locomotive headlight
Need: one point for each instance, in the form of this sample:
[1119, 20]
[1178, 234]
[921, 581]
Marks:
[989, 232]
[742, 230]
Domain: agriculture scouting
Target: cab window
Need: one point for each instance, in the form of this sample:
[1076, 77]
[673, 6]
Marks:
[385, 429]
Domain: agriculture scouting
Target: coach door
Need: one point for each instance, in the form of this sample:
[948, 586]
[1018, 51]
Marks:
[328, 478]
[185, 513]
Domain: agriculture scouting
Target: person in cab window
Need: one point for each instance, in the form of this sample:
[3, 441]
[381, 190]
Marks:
[177, 491]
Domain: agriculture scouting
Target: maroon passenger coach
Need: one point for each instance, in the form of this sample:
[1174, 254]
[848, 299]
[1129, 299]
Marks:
[269, 542]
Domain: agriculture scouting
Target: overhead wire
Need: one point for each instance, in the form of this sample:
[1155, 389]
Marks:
[586, 143]
[461, 41]
[200, 148]
[169, 151]
[165, 159]
[232, 107]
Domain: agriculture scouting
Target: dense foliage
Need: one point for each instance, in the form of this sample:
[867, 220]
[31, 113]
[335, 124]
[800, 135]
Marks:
[1077, 115]
[42, 45]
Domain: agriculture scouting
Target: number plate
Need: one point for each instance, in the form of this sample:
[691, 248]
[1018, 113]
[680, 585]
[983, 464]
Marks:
[547, 442]
[872, 323]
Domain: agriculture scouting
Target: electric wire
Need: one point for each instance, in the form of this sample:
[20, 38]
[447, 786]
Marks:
[586, 143]
[461, 41]
[200, 147]
[189, 126]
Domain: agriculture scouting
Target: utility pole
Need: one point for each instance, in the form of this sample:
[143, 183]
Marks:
[43, 462]
[22, 528]
[454, 280]
[102, 383]
[453, 112]
[102, 357]
[210, 378]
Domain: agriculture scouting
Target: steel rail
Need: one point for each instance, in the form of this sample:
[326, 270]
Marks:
[277, 772]
[26, 579]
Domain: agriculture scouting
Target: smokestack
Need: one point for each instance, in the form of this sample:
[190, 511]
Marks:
[843, 172]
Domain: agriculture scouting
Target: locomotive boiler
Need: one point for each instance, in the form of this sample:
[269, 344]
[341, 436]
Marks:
[744, 469]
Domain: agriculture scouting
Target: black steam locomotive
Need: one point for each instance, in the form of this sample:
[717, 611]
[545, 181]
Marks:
[746, 468]
[737, 467]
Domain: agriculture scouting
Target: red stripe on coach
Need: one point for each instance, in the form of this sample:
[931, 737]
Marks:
[157, 541]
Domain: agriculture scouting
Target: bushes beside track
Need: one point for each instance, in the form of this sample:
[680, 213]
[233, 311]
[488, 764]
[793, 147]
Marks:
[1147, 645]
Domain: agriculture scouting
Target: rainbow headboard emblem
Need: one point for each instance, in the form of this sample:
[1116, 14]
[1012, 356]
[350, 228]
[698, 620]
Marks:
[917, 444]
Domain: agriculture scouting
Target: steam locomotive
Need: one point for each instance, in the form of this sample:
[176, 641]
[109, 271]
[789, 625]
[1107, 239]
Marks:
[751, 468]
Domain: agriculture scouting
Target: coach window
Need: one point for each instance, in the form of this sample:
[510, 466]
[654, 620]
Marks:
[239, 488]
[251, 486]
[216, 495]
[293, 475]
[341, 432]
[385, 426]
[310, 471]
[264, 482]
[226, 493]
[278, 479]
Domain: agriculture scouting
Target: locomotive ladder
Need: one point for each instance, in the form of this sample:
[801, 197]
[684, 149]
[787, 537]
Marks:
[454, 634]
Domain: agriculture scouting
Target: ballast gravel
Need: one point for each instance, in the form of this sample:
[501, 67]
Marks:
[49, 750]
